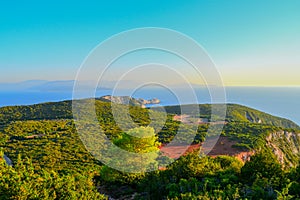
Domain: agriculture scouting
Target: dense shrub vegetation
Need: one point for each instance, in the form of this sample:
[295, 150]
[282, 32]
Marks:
[51, 162]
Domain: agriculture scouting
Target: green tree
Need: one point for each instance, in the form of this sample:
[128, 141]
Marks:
[264, 175]
[263, 164]
[141, 141]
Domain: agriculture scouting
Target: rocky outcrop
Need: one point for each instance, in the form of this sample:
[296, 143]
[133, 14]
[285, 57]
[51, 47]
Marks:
[151, 101]
[252, 119]
[7, 160]
[286, 146]
[127, 100]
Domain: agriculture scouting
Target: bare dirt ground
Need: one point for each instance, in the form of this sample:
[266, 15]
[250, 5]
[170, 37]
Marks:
[212, 147]
[187, 119]
[176, 151]
[224, 146]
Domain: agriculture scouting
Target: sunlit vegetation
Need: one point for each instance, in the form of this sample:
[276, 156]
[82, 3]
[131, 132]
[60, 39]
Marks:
[24, 182]
[236, 113]
[51, 162]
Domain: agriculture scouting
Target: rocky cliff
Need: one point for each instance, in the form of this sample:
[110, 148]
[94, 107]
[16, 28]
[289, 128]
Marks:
[286, 146]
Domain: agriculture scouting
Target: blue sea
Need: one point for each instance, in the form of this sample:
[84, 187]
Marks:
[279, 101]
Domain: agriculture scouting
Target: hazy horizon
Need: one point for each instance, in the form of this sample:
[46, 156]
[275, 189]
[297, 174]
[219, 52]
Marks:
[252, 43]
[42, 81]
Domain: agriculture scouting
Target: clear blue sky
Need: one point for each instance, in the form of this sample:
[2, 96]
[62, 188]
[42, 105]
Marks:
[253, 42]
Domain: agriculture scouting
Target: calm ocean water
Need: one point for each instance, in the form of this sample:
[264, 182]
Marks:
[279, 101]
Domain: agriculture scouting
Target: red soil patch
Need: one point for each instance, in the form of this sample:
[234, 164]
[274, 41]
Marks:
[179, 150]
[224, 146]
[212, 147]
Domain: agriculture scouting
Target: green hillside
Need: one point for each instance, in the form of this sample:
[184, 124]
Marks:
[63, 110]
[236, 113]
[50, 161]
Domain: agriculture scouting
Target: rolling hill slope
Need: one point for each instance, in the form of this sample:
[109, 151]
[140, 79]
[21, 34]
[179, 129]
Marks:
[250, 128]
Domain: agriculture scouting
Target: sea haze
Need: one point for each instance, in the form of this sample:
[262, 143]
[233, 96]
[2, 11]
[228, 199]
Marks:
[279, 101]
